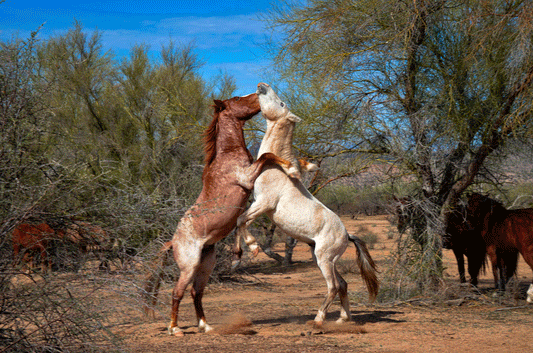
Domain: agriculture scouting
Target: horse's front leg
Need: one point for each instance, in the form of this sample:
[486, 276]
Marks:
[237, 251]
[257, 208]
[256, 168]
[250, 240]
[491, 252]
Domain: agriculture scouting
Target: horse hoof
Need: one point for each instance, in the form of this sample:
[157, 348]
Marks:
[342, 321]
[175, 331]
[295, 175]
[530, 294]
[204, 327]
[315, 323]
[254, 249]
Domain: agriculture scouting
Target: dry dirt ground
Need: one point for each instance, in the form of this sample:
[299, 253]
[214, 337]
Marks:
[268, 310]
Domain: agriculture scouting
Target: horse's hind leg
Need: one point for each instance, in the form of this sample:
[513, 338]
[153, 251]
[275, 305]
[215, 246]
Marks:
[327, 267]
[46, 264]
[345, 301]
[16, 255]
[200, 281]
[188, 271]
[177, 296]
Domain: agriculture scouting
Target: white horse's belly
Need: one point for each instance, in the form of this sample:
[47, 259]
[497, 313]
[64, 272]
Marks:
[296, 212]
[298, 222]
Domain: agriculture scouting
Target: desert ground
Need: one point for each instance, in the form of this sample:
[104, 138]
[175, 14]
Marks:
[269, 308]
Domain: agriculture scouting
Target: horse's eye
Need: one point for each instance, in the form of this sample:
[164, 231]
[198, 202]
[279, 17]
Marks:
[237, 98]
[282, 104]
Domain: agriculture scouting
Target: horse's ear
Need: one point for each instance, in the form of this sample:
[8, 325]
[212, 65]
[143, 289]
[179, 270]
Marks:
[219, 105]
[294, 118]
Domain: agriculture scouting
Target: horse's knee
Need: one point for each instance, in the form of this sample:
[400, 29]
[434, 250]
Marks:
[242, 221]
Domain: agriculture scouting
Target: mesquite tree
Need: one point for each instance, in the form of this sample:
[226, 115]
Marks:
[435, 86]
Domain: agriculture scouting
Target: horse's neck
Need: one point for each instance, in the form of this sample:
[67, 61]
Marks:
[230, 136]
[278, 139]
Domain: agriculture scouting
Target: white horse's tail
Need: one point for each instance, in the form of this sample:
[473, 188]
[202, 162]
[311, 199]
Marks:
[366, 266]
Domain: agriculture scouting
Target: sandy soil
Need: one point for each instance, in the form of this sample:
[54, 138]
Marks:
[268, 310]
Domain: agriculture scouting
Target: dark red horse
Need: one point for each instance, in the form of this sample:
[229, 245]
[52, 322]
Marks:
[29, 239]
[506, 233]
[228, 179]
[460, 236]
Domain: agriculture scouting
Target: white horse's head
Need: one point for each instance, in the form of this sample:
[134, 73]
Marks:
[272, 107]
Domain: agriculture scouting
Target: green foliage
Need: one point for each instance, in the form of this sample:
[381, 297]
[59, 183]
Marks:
[83, 136]
[86, 136]
[347, 199]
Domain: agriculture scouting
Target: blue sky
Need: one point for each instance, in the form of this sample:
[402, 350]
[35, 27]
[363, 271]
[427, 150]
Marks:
[227, 35]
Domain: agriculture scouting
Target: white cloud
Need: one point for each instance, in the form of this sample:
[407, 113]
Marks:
[239, 33]
[219, 25]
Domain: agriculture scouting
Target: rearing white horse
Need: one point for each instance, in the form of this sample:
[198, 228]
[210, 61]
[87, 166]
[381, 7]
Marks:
[298, 213]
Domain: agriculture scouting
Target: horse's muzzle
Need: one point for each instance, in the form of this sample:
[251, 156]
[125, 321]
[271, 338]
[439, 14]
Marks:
[262, 88]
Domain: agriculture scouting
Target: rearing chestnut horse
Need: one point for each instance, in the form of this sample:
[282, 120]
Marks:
[228, 178]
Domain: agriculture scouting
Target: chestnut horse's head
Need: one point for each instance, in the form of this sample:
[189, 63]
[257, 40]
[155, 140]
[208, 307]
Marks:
[236, 108]
[242, 108]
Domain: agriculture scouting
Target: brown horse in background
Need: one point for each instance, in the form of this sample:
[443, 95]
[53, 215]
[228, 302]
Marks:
[46, 239]
[459, 236]
[29, 239]
[228, 178]
[506, 233]
[464, 240]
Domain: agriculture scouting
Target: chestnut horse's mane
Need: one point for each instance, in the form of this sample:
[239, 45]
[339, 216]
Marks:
[210, 135]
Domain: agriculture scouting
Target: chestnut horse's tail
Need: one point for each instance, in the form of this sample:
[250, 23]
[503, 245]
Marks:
[366, 266]
[153, 281]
